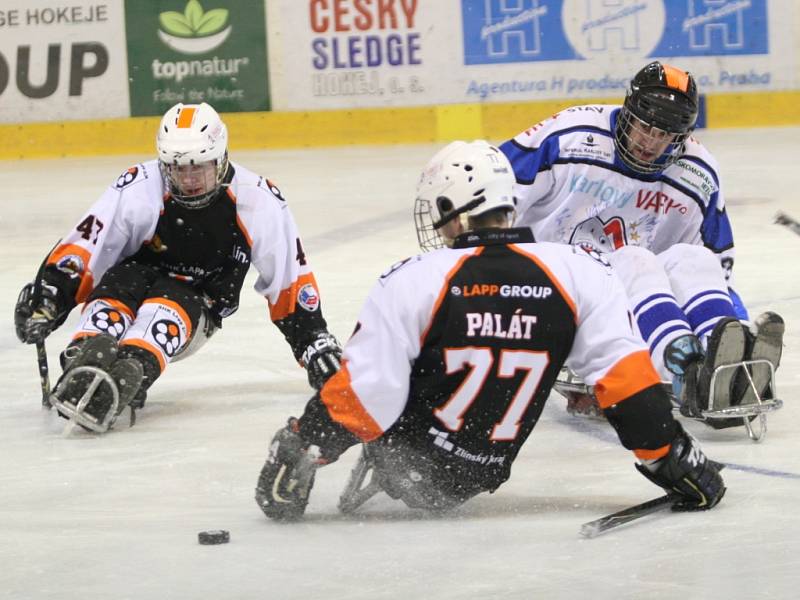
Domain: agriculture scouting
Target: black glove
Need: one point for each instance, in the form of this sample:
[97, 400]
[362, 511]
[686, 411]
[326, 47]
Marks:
[35, 318]
[321, 359]
[685, 470]
[287, 477]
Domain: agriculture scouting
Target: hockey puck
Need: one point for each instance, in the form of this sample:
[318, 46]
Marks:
[215, 536]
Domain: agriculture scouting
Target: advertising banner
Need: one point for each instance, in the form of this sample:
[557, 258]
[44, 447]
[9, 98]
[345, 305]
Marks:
[347, 53]
[62, 60]
[188, 51]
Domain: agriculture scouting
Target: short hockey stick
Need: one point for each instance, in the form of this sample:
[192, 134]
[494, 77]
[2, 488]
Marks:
[44, 374]
[599, 526]
[41, 351]
[788, 222]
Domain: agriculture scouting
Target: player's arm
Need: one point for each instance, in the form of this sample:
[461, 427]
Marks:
[532, 154]
[287, 282]
[72, 268]
[369, 394]
[717, 235]
[714, 231]
[356, 405]
[610, 357]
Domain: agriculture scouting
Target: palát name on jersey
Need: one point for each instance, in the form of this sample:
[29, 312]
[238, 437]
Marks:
[487, 324]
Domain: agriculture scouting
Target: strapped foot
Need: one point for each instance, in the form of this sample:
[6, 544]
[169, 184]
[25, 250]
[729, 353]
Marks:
[95, 386]
[764, 347]
[726, 346]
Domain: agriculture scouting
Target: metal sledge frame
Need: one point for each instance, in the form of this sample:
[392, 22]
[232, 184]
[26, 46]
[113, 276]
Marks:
[75, 412]
[573, 385]
[759, 408]
[355, 493]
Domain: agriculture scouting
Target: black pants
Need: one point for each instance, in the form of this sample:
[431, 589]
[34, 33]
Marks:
[132, 283]
[419, 479]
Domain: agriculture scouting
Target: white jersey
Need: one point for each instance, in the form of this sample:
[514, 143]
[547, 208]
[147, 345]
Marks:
[573, 188]
[249, 223]
[467, 342]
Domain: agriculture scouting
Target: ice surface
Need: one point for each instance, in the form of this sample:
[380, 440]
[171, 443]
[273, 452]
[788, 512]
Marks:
[117, 516]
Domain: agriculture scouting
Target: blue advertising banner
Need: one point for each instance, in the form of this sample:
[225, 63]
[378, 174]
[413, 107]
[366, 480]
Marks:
[512, 31]
[714, 28]
[508, 31]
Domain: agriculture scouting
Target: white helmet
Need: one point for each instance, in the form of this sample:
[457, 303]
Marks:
[462, 180]
[192, 147]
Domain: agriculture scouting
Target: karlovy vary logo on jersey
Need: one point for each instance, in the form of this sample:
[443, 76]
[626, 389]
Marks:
[610, 196]
[587, 146]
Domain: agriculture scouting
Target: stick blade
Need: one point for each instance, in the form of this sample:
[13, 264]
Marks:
[592, 529]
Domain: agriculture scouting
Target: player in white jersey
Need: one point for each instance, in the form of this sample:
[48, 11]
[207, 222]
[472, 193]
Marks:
[159, 261]
[455, 353]
[632, 182]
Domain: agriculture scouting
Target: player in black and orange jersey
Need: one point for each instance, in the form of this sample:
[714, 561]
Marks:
[456, 351]
[159, 261]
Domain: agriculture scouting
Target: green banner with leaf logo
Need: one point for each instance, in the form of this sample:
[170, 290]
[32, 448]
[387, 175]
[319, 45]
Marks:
[193, 51]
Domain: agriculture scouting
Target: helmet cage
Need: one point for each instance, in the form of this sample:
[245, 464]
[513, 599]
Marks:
[428, 235]
[661, 101]
[429, 229]
[631, 148]
[170, 173]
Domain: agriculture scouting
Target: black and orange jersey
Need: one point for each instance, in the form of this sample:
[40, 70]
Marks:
[210, 248]
[456, 352]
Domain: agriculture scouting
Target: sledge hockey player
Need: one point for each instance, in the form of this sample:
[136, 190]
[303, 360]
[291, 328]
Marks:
[159, 261]
[456, 351]
[632, 183]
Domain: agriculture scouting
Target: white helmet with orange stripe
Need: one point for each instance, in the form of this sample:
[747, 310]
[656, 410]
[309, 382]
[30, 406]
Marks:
[192, 147]
[463, 180]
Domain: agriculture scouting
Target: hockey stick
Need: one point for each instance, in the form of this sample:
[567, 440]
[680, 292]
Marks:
[41, 351]
[788, 222]
[599, 526]
[44, 374]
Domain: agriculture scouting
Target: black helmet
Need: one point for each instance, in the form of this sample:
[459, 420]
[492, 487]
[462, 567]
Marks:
[663, 97]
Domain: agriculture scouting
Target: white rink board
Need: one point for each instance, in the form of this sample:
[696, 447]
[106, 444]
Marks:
[350, 53]
[76, 66]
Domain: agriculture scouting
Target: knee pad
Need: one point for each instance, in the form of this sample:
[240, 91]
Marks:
[161, 327]
[640, 273]
[104, 316]
[656, 312]
[692, 269]
[698, 283]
